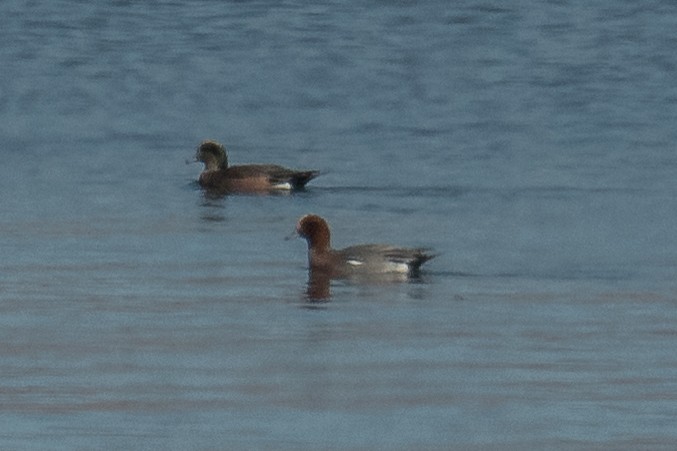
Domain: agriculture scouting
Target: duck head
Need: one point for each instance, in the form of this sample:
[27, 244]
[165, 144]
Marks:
[212, 154]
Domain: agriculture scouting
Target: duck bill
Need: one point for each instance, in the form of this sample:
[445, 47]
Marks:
[292, 235]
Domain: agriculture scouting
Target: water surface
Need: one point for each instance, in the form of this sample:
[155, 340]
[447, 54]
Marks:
[530, 145]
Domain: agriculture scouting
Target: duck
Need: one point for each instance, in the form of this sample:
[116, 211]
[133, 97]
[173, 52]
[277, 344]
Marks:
[362, 259]
[218, 176]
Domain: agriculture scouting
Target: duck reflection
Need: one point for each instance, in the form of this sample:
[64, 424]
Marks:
[319, 287]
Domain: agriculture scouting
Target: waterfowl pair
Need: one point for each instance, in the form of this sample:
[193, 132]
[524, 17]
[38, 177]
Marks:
[365, 259]
[218, 176]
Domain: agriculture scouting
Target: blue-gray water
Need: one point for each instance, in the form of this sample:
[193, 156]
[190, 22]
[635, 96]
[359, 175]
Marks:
[531, 144]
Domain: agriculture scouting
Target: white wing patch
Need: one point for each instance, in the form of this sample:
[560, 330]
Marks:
[397, 267]
[385, 267]
[285, 185]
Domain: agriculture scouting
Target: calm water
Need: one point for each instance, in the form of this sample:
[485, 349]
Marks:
[530, 143]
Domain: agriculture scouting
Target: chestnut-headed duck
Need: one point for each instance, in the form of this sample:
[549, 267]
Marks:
[218, 176]
[364, 259]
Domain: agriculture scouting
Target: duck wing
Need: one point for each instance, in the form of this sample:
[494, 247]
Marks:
[384, 258]
[276, 174]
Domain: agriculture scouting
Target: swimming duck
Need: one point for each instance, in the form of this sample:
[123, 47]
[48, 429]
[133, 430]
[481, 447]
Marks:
[218, 176]
[364, 259]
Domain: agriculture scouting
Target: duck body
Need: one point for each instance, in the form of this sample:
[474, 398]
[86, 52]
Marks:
[255, 177]
[363, 259]
[368, 259]
[218, 176]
